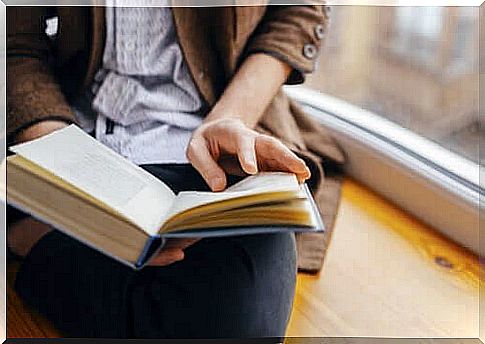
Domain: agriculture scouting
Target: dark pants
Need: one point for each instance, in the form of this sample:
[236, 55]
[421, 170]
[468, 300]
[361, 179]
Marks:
[225, 287]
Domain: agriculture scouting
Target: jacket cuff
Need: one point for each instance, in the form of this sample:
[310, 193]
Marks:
[293, 34]
[11, 137]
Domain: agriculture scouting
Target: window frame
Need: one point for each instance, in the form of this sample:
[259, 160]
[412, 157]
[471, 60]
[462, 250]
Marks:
[435, 185]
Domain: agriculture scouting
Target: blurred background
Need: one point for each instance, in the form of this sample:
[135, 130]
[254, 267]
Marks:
[416, 66]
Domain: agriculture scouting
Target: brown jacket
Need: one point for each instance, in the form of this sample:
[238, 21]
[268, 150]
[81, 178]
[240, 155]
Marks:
[45, 73]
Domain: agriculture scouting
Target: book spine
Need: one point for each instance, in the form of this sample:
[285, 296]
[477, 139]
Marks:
[150, 243]
[316, 211]
[152, 247]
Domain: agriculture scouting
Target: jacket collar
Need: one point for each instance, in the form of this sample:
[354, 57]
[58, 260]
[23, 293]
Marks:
[97, 36]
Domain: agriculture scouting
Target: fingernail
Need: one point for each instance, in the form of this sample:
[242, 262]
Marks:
[252, 169]
[218, 183]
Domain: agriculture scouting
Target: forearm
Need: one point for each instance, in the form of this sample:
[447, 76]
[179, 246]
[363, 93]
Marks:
[251, 90]
[39, 129]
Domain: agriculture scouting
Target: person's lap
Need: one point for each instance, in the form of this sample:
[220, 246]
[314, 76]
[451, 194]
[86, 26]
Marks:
[225, 287]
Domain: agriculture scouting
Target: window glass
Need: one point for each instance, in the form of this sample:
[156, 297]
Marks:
[416, 66]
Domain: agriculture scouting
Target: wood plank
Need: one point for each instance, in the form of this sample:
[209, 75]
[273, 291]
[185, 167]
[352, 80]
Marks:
[387, 275]
[22, 320]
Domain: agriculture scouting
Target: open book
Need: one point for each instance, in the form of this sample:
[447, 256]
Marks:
[78, 185]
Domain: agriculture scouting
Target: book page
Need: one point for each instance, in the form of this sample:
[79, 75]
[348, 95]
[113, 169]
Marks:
[264, 182]
[80, 160]
[270, 180]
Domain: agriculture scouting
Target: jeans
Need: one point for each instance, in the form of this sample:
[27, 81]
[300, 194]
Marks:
[236, 287]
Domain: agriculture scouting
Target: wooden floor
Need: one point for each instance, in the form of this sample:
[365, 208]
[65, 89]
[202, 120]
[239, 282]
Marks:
[385, 274]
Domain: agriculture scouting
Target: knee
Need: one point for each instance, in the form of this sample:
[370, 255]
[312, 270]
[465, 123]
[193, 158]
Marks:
[236, 288]
[264, 309]
[274, 257]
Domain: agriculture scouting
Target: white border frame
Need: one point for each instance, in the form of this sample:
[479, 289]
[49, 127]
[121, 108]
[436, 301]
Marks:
[3, 104]
[379, 156]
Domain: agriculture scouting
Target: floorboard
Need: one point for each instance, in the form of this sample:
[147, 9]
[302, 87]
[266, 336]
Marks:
[387, 275]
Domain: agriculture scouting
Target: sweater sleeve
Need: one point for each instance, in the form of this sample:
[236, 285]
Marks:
[33, 93]
[293, 34]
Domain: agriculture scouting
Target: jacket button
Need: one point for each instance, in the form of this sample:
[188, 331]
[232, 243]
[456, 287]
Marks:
[309, 51]
[319, 31]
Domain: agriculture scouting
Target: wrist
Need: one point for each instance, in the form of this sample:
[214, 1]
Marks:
[225, 119]
[225, 116]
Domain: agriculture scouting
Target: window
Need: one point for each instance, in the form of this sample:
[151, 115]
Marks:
[417, 32]
[399, 88]
[416, 66]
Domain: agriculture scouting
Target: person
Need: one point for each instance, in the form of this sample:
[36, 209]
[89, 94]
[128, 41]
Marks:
[193, 95]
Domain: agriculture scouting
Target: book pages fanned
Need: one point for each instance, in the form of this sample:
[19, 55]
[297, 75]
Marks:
[262, 183]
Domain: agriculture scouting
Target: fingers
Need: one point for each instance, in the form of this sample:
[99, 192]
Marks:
[302, 177]
[181, 243]
[246, 154]
[202, 160]
[253, 152]
[167, 256]
[273, 150]
[173, 251]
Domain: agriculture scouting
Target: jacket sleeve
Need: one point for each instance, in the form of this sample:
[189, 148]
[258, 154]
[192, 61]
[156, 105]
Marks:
[33, 94]
[293, 34]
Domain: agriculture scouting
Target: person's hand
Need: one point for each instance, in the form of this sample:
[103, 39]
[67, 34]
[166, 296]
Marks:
[40, 129]
[217, 146]
[172, 252]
